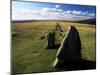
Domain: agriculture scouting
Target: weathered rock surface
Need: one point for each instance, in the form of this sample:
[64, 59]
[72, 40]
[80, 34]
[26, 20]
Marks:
[70, 49]
[51, 40]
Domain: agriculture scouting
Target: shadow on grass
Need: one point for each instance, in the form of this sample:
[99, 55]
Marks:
[54, 47]
[77, 65]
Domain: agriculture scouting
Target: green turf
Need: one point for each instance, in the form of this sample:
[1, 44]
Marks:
[28, 49]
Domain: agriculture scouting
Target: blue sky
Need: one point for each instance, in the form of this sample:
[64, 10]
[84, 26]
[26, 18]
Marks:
[51, 11]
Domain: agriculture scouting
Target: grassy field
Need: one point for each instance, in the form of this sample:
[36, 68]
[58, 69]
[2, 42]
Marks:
[28, 49]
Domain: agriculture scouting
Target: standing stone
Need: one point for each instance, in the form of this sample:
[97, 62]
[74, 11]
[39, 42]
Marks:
[70, 49]
[58, 27]
[51, 40]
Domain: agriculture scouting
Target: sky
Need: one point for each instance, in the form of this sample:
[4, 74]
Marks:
[23, 10]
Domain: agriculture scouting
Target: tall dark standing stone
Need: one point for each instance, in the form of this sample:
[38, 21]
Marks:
[51, 40]
[70, 49]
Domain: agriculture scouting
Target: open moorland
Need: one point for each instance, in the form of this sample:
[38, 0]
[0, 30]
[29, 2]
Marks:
[28, 49]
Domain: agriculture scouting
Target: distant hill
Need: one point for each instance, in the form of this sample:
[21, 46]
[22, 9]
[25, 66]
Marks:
[89, 21]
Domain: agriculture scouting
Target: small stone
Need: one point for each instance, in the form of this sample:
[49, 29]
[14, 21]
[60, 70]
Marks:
[58, 27]
[51, 40]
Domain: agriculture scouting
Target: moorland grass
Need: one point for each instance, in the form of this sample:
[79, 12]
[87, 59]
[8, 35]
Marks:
[29, 54]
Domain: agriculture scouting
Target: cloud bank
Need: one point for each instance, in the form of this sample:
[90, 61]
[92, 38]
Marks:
[50, 14]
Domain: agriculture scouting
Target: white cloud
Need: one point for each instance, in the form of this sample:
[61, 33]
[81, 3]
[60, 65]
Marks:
[57, 6]
[68, 12]
[85, 13]
[50, 14]
[91, 14]
[76, 12]
[51, 10]
[25, 14]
